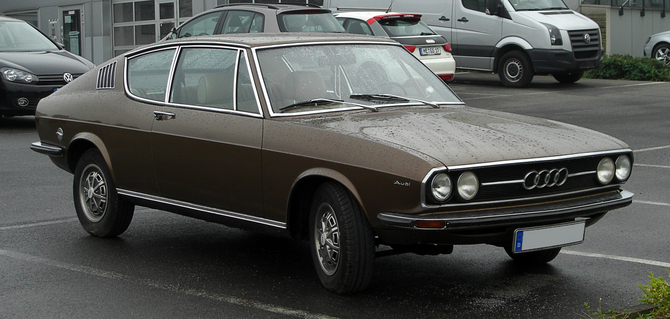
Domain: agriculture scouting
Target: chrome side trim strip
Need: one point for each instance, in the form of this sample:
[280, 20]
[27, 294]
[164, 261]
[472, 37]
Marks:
[203, 209]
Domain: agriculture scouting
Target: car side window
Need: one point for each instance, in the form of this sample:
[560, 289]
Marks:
[148, 74]
[358, 27]
[257, 23]
[205, 77]
[246, 96]
[238, 22]
[204, 25]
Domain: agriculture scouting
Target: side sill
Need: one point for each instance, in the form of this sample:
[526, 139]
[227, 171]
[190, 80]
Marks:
[198, 211]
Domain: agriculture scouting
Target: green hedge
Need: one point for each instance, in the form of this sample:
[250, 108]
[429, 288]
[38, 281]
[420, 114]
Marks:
[626, 67]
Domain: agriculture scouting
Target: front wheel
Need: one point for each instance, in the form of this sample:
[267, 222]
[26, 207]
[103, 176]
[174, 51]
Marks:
[569, 78]
[662, 53]
[535, 257]
[341, 240]
[101, 212]
[515, 69]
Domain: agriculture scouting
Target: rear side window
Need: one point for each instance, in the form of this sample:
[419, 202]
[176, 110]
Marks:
[148, 74]
[205, 25]
[477, 5]
[302, 21]
[357, 27]
[243, 22]
[405, 27]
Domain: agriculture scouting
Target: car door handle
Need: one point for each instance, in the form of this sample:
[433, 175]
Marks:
[163, 116]
[443, 18]
[463, 19]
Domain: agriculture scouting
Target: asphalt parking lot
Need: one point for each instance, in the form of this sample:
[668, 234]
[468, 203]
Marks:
[168, 266]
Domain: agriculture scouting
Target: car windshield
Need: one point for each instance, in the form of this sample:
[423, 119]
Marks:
[318, 78]
[535, 5]
[309, 22]
[405, 27]
[20, 36]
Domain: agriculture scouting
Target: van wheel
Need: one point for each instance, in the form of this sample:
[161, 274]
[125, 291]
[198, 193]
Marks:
[662, 53]
[101, 212]
[568, 78]
[515, 69]
[341, 240]
[535, 257]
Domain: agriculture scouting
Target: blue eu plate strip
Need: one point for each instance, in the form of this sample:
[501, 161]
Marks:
[519, 241]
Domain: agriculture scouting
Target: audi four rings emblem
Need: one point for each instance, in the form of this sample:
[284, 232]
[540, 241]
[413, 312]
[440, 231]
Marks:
[545, 178]
[67, 77]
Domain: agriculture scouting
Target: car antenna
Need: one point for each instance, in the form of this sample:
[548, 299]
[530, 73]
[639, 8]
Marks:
[390, 6]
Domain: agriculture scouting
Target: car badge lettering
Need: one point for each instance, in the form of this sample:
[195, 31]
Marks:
[67, 77]
[402, 183]
[545, 178]
[587, 38]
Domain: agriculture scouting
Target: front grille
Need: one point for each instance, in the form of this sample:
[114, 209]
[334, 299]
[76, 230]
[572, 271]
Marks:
[54, 79]
[581, 48]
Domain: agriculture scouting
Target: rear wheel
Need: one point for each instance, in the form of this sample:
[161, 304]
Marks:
[515, 69]
[569, 77]
[101, 212]
[535, 257]
[341, 240]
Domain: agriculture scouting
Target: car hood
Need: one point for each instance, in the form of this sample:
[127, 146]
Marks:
[562, 19]
[46, 62]
[463, 135]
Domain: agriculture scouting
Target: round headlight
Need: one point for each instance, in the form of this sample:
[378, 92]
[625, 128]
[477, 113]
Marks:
[468, 185]
[605, 170]
[623, 167]
[441, 187]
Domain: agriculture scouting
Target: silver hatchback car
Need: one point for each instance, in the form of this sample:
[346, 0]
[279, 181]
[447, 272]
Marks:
[658, 47]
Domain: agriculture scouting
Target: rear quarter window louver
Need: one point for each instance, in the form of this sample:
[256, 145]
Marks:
[106, 76]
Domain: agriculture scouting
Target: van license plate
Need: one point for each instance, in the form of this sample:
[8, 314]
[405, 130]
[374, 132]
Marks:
[544, 237]
[430, 51]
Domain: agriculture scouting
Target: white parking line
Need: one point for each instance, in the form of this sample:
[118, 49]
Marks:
[649, 165]
[155, 284]
[652, 148]
[620, 258]
[35, 224]
[651, 203]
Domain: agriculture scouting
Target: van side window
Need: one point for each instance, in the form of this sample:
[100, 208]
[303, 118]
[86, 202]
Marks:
[477, 5]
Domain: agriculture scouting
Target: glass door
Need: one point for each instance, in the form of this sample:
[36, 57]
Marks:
[71, 31]
[165, 17]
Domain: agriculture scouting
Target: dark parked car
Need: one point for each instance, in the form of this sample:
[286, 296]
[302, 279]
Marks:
[255, 18]
[291, 134]
[32, 67]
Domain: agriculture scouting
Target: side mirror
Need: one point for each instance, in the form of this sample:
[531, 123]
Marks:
[173, 33]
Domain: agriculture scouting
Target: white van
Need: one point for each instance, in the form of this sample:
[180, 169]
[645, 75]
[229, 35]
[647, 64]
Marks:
[515, 38]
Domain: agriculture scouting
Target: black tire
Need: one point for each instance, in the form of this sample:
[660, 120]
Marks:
[341, 240]
[569, 78]
[535, 257]
[662, 53]
[515, 69]
[101, 212]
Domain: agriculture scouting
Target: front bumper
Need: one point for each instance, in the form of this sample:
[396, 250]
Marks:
[12, 92]
[561, 61]
[492, 225]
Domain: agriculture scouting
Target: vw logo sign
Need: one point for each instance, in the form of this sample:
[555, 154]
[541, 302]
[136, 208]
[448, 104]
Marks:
[67, 77]
[545, 178]
[587, 38]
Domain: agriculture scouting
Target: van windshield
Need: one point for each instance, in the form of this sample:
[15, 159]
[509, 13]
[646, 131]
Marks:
[536, 5]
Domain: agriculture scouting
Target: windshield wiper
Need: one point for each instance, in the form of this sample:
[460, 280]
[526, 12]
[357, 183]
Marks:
[318, 101]
[390, 97]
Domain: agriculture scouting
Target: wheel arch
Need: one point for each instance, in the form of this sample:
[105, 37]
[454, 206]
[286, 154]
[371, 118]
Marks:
[508, 45]
[303, 191]
[81, 143]
[658, 44]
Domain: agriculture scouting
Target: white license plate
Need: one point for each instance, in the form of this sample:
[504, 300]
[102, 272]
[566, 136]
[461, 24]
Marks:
[544, 237]
[430, 51]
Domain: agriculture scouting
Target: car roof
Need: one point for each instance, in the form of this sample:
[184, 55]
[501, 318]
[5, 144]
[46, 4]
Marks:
[279, 8]
[5, 19]
[257, 40]
[366, 15]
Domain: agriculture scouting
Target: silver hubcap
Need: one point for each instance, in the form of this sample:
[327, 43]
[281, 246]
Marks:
[513, 70]
[662, 55]
[327, 239]
[93, 193]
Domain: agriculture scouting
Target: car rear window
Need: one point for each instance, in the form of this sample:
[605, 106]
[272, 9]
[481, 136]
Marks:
[405, 27]
[308, 21]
